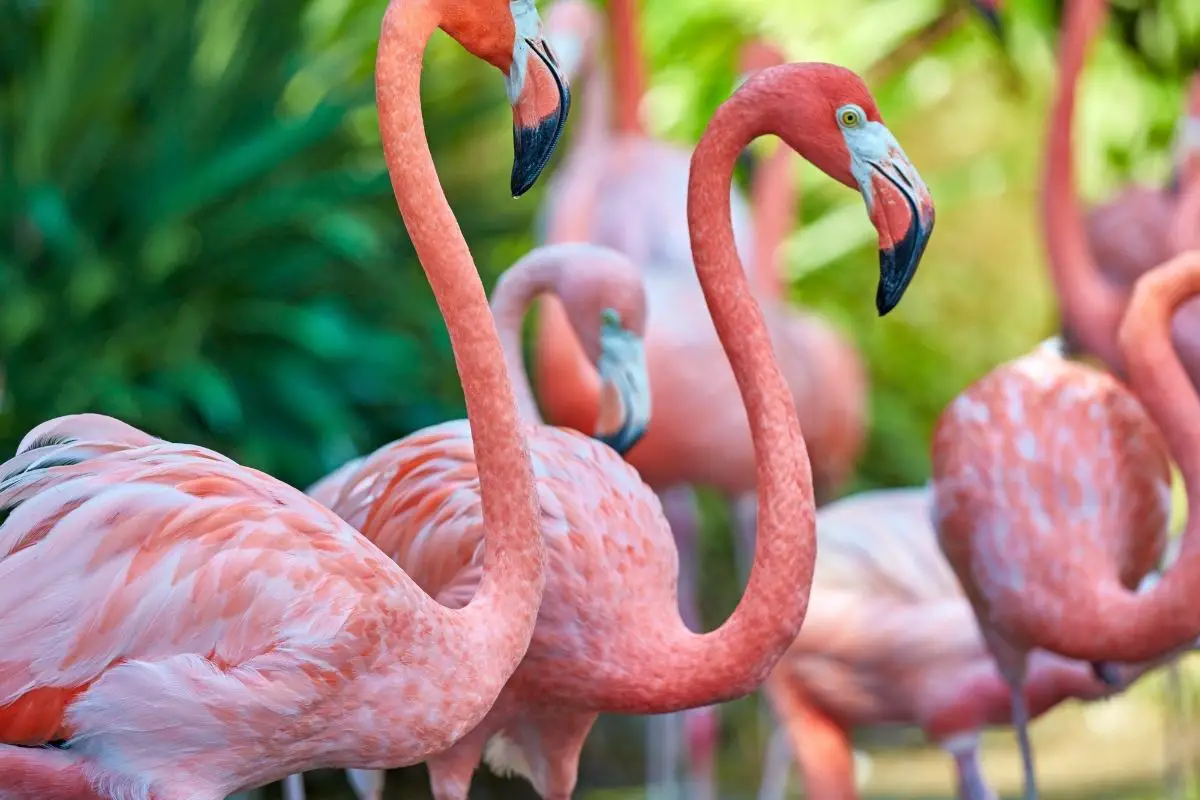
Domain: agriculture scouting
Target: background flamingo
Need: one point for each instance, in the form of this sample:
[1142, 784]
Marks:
[1052, 500]
[1094, 260]
[611, 637]
[891, 640]
[147, 586]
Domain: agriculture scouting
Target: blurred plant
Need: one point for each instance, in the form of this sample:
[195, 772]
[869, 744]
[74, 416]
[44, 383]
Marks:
[197, 234]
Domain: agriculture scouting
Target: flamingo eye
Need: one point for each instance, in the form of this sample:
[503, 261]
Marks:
[850, 116]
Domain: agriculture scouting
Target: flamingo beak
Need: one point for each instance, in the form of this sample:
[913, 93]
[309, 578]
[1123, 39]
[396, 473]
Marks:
[624, 386]
[541, 101]
[901, 210]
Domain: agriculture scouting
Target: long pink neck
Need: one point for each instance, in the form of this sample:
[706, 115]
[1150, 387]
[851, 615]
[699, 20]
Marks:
[681, 669]
[1091, 306]
[1147, 625]
[629, 72]
[517, 288]
[776, 202]
[504, 609]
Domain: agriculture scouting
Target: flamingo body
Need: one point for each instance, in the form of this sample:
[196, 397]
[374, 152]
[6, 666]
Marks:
[190, 627]
[1047, 473]
[892, 640]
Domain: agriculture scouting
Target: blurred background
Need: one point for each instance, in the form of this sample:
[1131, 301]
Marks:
[197, 235]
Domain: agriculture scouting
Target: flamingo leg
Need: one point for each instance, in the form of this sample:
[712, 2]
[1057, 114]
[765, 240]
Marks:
[450, 772]
[293, 787]
[971, 783]
[1177, 732]
[367, 783]
[776, 764]
[663, 739]
[1013, 664]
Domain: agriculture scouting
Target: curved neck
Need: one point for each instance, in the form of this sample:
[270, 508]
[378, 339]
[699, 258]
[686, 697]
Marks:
[1159, 380]
[776, 202]
[629, 73]
[517, 288]
[680, 669]
[1091, 306]
[504, 608]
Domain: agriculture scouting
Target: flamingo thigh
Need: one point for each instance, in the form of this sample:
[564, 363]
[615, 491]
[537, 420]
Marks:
[450, 771]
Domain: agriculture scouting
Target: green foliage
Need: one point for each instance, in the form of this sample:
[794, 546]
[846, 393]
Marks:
[197, 234]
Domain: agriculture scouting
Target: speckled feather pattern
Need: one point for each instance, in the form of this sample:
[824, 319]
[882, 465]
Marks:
[194, 627]
[1048, 476]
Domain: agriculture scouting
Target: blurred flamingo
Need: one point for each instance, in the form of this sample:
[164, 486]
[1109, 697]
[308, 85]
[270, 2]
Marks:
[176, 625]
[1052, 498]
[1094, 261]
[891, 640]
[610, 637]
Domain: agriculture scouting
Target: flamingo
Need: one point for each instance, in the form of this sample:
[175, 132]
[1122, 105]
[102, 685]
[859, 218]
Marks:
[627, 190]
[611, 637]
[179, 626]
[1095, 259]
[628, 178]
[1051, 490]
[891, 640]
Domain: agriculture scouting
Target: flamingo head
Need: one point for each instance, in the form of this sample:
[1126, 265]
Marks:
[508, 35]
[573, 27]
[605, 300]
[990, 11]
[826, 114]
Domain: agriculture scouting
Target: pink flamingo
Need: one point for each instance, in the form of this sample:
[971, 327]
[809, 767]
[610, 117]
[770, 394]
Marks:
[1094, 261]
[610, 637]
[185, 627]
[891, 640]
[591, 191]
[1052, 496]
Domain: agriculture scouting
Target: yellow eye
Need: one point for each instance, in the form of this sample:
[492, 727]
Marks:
[850, 117]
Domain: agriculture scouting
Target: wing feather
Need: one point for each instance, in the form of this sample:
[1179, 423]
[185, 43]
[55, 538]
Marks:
[128, 549]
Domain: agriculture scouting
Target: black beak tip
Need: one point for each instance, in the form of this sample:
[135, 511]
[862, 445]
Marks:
[534, 146]
[898, 266]
[623, 440]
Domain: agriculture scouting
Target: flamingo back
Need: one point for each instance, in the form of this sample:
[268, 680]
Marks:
[887, 618]
[1048, 474]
